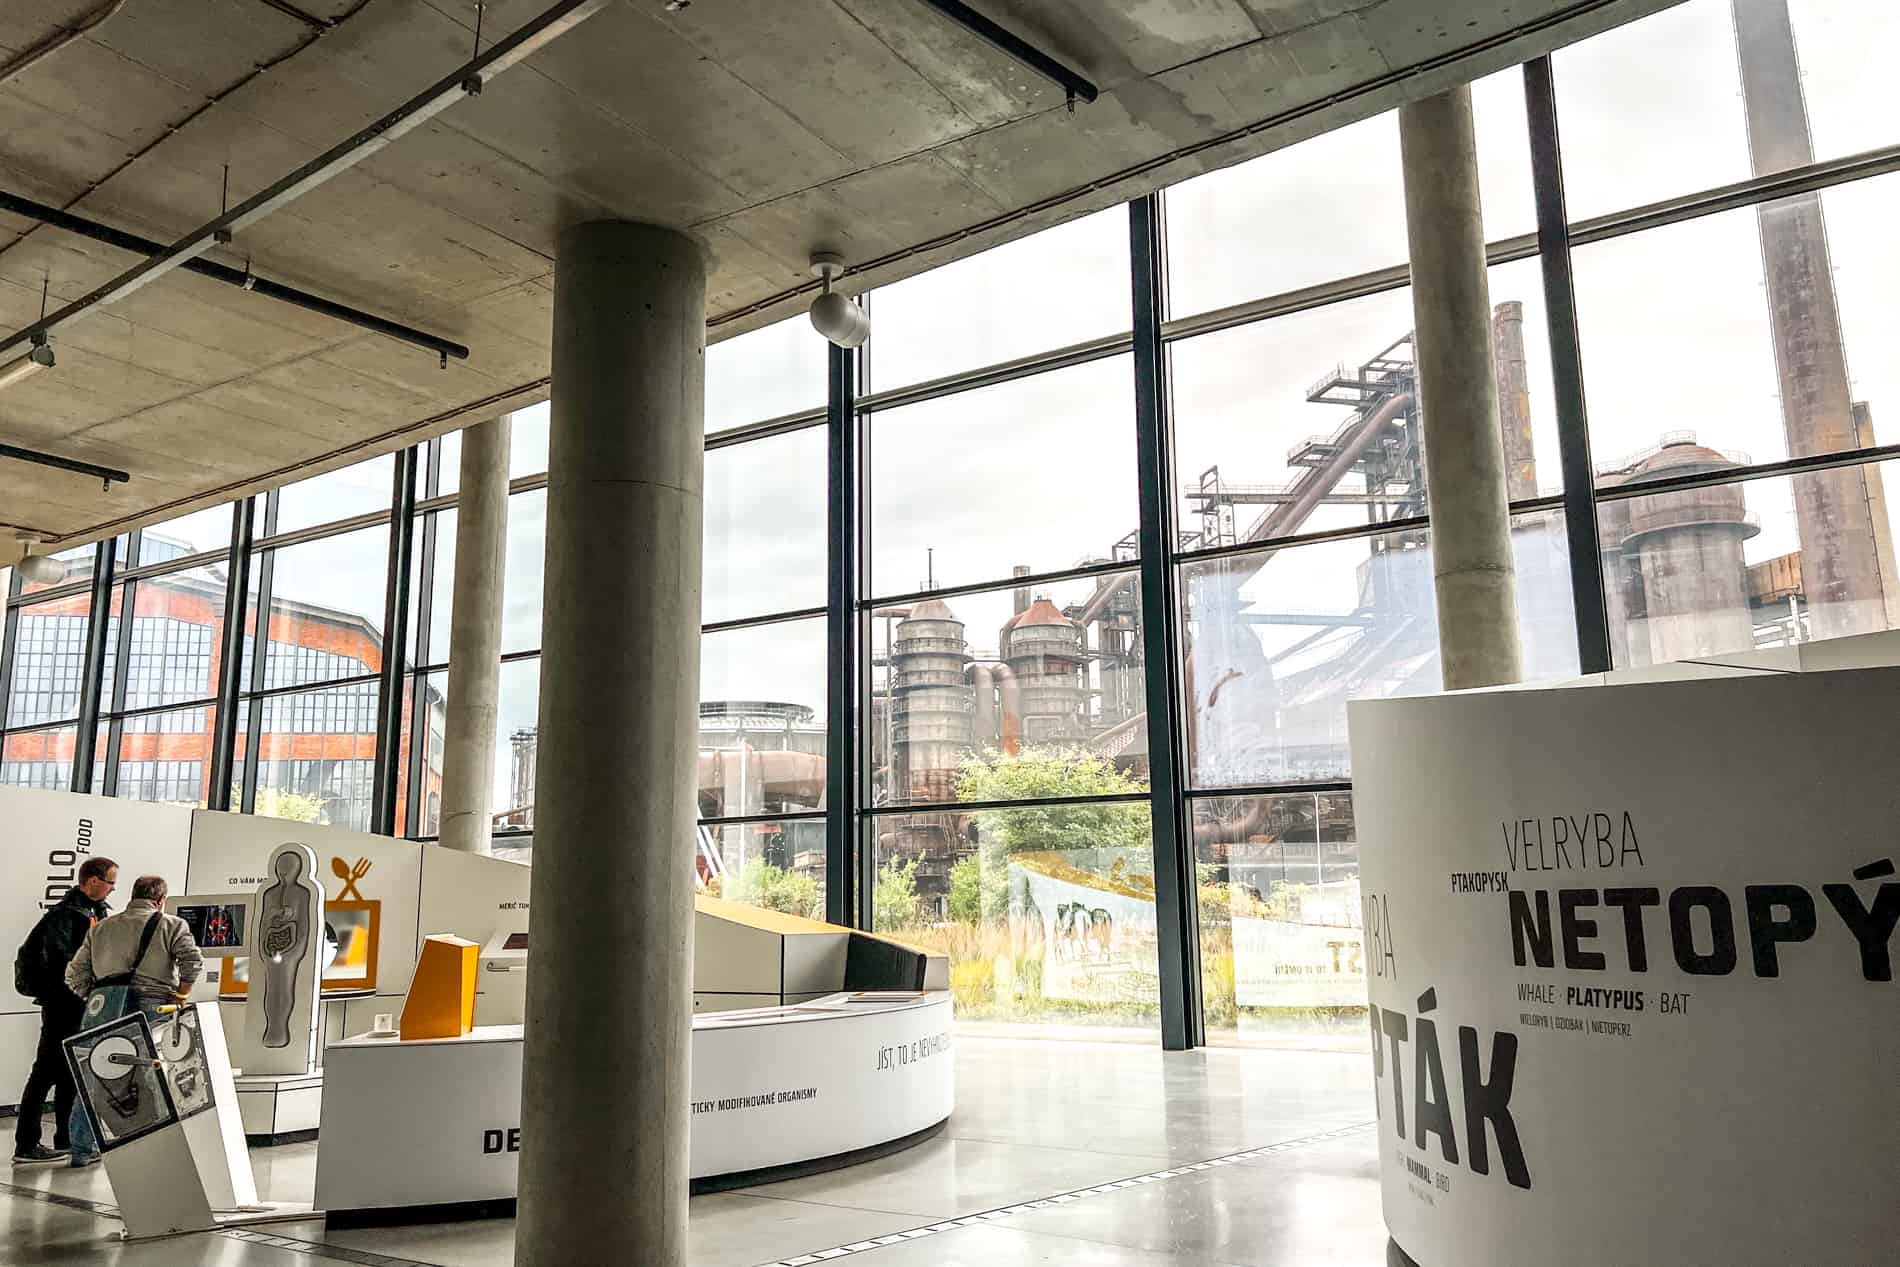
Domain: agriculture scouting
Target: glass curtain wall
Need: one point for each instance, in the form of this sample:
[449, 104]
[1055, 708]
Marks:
[1734, 283]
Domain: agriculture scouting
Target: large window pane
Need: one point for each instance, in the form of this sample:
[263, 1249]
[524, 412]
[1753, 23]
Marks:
[1280, 640]
[197, 533]
[1330, 207]
[1037, 472]
[767, 373]
[354, 490]
[762, 720]
[1792, 300]
[1064, 285]
[521, 582]
[779, 866]
[765, 526]
[166, 756]
[177, 630]
[327, 609]
[1010, 694]
[1262, 411]
[1686, 66]
[1651, 110]
[1047, 914]
[1722, 570]
[1282, 939]
[38, 758]
[511, 795]
[527, 451]
[49, 658]
[316, 755]
[1653, 305]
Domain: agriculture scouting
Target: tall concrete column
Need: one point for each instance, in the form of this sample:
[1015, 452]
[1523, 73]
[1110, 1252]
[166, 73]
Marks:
[605, 1077]
[481, 561]
[1465, 481]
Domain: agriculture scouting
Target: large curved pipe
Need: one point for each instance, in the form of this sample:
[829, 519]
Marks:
[1012, 699]
[983, 725]
[788, 778]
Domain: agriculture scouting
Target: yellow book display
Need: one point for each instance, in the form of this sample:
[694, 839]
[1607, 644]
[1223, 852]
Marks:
[441, 1002]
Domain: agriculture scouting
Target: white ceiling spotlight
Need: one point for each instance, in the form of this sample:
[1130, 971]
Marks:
[833, 315]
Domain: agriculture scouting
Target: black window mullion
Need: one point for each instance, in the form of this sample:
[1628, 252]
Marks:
[9, 640]
[387, 761]
[237, 585]
[86, 733]
[260, 647]
[842, 904]
[1566, 366]
[1177, 923]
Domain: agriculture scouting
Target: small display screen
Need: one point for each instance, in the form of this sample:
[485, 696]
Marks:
[516, 941]
[217, 926]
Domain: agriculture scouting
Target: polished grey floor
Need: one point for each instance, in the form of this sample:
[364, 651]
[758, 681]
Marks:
[1045, 1125]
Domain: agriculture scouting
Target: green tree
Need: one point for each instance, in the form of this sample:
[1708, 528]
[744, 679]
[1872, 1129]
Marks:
[894, 902]
[295, 806]
[1046, 773]
[979, 886]
[775, 889]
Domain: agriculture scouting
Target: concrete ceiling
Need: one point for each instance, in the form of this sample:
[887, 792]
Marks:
[769, 127]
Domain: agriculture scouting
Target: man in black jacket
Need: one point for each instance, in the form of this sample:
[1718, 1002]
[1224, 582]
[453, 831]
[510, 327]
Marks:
[44, 956]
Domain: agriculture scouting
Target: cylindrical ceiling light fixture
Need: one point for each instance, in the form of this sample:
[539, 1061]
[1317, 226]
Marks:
[833, 315]
[39, 569]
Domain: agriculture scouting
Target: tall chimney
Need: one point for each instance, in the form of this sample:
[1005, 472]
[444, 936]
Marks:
[1840, 556]
[1514, 400]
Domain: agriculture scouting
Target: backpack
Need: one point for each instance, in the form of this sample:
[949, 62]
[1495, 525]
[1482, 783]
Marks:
[29, 963]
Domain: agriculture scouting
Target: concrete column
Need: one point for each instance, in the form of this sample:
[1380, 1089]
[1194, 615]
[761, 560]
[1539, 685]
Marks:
[481, 559]
[1458, 393]
[605, 1075]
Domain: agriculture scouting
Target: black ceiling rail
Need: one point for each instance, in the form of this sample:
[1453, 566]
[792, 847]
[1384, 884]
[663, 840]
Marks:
[1017, 47]
[241, 278]
[106, 475]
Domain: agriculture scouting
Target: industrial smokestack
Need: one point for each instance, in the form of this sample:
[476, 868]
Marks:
[1514, 400]
[1840, 564]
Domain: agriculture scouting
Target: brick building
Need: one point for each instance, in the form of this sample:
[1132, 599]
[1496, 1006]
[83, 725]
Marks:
[316, 744]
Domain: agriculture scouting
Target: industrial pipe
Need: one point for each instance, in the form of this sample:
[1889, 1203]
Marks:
[983, 725]
[241, 278]
[1012, 700]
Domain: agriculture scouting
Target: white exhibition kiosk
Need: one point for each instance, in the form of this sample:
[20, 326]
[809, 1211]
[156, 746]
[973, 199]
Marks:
[812, 1045]
[1630, 947]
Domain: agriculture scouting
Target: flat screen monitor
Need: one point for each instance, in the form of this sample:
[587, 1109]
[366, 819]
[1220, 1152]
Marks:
[216, 926]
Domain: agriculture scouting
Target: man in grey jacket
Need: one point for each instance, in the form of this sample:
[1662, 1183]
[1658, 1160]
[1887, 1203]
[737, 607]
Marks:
[171, 962]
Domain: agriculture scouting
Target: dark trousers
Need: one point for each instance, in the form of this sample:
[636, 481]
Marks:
[58, 1022]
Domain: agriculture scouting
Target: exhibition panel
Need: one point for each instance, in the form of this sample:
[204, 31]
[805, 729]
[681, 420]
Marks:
[411, 1127]
[814, 1043]
[1617, 944]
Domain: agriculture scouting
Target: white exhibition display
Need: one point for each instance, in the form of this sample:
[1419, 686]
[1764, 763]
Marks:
[48, 836]
[164, 1101]
[410, 1126]
[1630, 955]
[811, 1043]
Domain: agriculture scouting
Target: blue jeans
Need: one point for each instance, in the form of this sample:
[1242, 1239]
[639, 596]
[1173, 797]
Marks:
[85, 1135]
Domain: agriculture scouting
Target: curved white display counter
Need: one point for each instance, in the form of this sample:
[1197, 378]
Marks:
[410, 1128]
[1630, 953]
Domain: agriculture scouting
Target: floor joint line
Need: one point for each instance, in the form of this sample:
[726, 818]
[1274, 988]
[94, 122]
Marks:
[937, 1227]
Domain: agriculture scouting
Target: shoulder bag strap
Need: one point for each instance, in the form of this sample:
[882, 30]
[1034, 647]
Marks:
[145, 942]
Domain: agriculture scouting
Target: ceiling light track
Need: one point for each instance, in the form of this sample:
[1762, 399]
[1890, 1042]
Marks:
[106, 475]
[241, 278]
[453, 88]
[1071, 82]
